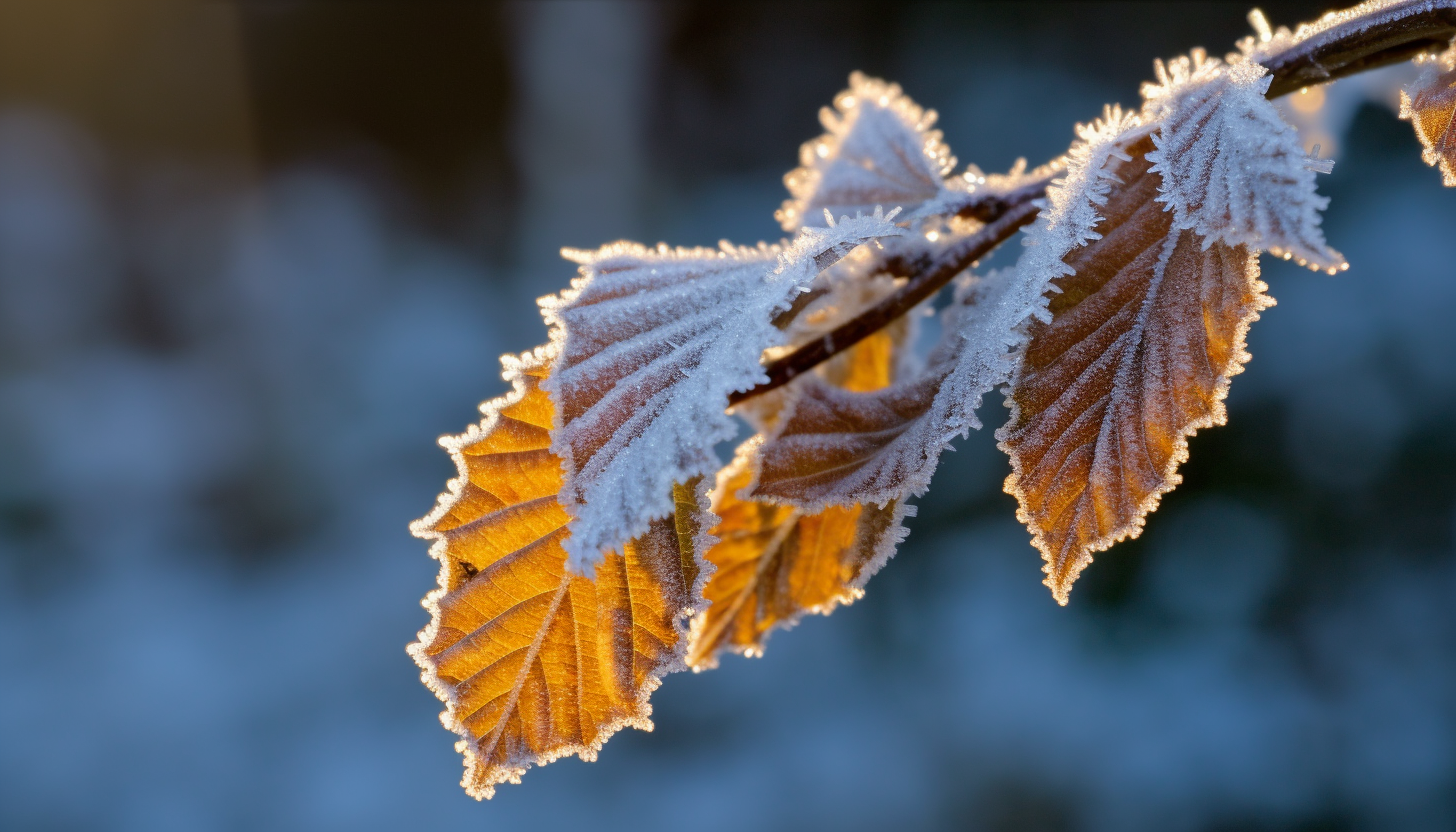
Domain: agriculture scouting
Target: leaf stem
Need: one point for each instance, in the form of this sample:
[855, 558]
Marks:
[1376, 37]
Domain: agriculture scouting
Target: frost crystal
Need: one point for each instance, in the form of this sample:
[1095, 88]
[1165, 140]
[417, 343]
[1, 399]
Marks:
[1232, 170]
[879, 150]
[1071, 207]
[652, 342]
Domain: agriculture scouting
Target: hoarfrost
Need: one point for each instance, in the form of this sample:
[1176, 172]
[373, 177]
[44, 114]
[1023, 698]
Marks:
[1233, 171]
[880, 150]
[652, 342]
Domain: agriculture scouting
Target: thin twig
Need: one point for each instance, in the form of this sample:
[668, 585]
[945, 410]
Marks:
[1380, 37]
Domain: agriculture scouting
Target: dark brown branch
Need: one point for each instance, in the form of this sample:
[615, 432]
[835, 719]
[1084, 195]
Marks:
[1378, 38]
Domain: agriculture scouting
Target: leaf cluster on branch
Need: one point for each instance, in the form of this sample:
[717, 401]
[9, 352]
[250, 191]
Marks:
[593, 541]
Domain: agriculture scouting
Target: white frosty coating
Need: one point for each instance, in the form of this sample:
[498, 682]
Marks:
[880, 150]
[1069, 212]
[1233, 171]
[652, 342]
[983, 330]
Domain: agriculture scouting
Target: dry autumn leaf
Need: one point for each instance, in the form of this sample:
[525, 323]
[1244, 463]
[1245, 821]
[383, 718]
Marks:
[1431, 108]
[836, 446]
[775, 563]
[1145, 334]
[839, 445]
[532, 660]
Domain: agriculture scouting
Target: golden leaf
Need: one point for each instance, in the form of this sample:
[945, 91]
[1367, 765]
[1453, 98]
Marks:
[532, 660]
[775, 563]
[1144, 336]
[1431, 109]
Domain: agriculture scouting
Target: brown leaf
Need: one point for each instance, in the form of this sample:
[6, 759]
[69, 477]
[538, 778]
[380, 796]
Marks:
[836, 445]
[532, 660]
[775, 563]
[1144, 336]
[1431, 108]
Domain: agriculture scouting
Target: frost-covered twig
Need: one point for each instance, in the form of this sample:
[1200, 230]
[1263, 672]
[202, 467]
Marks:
[937, 274]
[1361, 38]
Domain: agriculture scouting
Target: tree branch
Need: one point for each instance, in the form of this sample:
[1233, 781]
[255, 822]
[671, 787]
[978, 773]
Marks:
[1338, 46]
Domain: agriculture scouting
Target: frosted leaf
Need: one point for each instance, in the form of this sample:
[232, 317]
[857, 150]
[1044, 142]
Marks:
[1233, 171]
[533, 661]
[879, 150]
[774, 564]
[1144, 335]
[652, 341]
[1430, 105]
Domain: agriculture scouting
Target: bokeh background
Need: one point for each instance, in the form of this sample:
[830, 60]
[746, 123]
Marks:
[255, 257]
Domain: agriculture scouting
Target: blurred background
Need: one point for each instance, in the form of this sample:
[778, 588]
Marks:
[255, 257]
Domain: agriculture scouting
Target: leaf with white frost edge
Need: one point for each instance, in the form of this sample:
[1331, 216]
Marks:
[879, 150]
[1233, 171]
[652, 342]
[1138, 355]
[1429, 104]
[533, 661]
